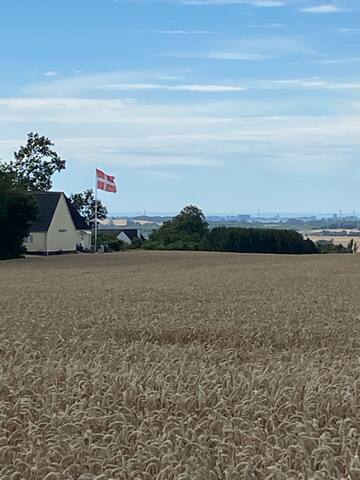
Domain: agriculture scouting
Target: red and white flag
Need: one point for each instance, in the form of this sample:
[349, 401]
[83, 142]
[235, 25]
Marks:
[105, 182]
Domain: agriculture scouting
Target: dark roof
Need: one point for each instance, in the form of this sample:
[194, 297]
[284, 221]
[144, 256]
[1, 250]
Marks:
[114, 232]
[79, 221]
[131, 233]
[47, 203]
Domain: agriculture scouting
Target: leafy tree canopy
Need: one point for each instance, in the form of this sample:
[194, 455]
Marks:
[192, 221]
[17, 211]
[85, 203]
[34, 164]
[184, 232]
[7, 179]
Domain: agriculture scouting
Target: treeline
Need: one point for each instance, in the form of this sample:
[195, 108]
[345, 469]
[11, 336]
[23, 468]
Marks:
[190, 231]
[258, 240]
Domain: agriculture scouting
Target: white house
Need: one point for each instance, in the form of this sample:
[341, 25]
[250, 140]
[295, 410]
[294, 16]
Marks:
[127, 235]
[60, 227]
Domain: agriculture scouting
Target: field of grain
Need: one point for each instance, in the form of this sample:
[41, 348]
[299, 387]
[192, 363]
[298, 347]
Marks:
[337, 240]
[186, 366]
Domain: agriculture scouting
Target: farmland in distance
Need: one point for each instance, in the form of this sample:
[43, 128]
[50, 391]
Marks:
[183, 366]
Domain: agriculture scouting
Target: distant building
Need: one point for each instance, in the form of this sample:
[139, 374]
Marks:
[244, 218]
[60, 227]
[127, 235]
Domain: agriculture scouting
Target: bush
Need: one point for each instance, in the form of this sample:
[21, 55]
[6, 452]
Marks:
[111, 242]
[330, 247]
[116, 245]
[257, 240]
[17, 212]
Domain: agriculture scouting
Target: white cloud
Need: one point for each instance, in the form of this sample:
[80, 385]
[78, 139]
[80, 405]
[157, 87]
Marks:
[186, 134]
[253, 3]
[314, 83]
[51, 73]
[337, 61]
[251, 57]
[349, 30]
[73, 88]
[221, 55]
[267, 26]
[327, 8]
[176, 88]
[209, 88]
[178, 32]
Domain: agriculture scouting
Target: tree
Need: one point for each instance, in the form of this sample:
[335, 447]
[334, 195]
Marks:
[34, 164]
[17, 211]
[192, 220]
[258, 240]
[186, 231]
[7, 179]
[85, 204]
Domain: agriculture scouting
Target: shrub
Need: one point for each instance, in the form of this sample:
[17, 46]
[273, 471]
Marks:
[257, 240]
[17, 211]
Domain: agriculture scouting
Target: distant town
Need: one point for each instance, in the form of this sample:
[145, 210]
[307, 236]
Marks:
[337, 225]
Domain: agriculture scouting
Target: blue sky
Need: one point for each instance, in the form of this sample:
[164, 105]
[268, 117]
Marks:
[233, 105]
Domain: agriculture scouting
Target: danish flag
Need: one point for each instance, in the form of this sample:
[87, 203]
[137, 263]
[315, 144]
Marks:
[105, 182]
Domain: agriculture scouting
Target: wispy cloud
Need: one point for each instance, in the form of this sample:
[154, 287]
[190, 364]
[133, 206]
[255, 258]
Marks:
[51, 73]
[225, 55]
[337, 61]
[349, 30]
[187, 135]
[133, 84]
[178, 32]
[268, 26]
[201, 88]
[252, 57]
[254, 3]
[327, 8]
[314, 83]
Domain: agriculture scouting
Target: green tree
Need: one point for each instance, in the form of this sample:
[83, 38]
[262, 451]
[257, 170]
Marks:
[187, 231]
[17, 211]
[7, 179]
[34, 164]
[192, 221]
[258, 240]
[85, 203]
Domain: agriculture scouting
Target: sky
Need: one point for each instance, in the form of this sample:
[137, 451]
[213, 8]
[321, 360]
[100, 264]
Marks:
[232, 105]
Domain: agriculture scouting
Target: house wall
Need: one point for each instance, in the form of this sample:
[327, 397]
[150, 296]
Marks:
[62, 234]
[83, 238]
[37, 243]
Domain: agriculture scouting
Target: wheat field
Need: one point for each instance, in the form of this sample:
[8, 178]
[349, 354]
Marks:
[180, 366]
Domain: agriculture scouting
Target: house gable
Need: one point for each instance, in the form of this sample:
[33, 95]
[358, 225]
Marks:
[62, 233]
[47, 203]
[123, 236]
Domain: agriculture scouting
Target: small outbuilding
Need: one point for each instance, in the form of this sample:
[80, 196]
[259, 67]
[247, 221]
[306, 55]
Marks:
[127, 235]
[60, 227]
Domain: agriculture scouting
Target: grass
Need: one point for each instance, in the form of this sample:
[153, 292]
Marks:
[165, 365]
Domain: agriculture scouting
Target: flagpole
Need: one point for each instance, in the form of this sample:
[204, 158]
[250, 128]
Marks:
[96, 211]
